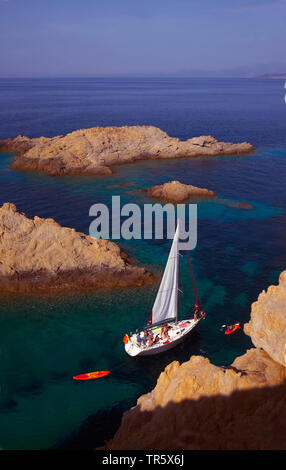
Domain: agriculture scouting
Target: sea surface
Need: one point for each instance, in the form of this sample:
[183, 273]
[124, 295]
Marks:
[44, 341]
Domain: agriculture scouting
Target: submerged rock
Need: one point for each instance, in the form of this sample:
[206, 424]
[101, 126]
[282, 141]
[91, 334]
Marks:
[39, 255]
[95, 150]
[245, 205]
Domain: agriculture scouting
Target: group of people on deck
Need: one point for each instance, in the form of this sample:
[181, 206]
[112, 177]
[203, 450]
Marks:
[149, 339]
[198, 312]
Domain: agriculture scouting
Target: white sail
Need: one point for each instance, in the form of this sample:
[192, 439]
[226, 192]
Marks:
[165, 305]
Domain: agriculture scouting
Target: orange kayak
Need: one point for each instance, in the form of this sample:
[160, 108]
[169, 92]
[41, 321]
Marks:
[232, 328]
[92, 375]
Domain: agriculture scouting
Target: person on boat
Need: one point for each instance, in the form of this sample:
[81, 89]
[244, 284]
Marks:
[150, 339]
[167, 331]
[196, 311]
[145, 337]
[138, 339]
[156, 340]
[202, 314]
[162, 330]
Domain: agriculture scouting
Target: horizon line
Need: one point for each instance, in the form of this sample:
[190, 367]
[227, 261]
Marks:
[138, 76]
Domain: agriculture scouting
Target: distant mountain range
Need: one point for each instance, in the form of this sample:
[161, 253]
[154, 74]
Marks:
[276, 75]
[270, 70]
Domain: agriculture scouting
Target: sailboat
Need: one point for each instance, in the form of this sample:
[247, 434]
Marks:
[164, 331]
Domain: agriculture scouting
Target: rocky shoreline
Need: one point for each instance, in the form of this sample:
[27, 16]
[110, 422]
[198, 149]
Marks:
[198, 405]
[39, 255]
[94, 151]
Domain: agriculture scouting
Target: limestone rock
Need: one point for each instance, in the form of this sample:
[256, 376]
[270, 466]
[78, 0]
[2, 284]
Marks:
[39, 254]
[95, 150]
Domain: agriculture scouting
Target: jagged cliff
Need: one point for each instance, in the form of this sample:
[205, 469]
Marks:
[197, 405]
[95, 150]
[39, 255]
[267, 325]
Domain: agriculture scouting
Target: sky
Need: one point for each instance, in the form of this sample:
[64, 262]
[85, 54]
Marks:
[82, 38]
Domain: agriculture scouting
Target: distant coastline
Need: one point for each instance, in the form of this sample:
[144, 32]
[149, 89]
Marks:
[275, 75]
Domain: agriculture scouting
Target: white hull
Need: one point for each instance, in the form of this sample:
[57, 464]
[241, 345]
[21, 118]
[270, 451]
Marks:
[177, 334]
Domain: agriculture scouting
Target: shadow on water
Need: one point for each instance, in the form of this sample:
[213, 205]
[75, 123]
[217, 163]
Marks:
[96, 429]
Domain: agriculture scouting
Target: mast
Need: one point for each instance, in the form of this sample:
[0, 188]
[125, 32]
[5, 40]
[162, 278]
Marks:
[177, 287]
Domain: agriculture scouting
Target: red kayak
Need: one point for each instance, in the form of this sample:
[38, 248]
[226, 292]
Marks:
[92, 375]
[232, 328]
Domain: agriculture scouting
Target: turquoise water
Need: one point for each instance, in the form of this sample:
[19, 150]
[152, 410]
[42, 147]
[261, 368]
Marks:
[44, 341]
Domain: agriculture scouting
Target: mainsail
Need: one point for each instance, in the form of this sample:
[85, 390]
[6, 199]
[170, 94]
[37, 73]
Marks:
[165, 305]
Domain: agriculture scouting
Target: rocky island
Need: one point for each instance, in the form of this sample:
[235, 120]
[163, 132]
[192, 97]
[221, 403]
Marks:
[96, 150]
[198, 405]
[176, 193]
[40, 255]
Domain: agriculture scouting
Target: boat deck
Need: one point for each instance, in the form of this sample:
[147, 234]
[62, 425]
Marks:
[176, 334]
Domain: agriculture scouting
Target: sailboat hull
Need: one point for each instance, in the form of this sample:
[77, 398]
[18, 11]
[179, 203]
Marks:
[177, 334]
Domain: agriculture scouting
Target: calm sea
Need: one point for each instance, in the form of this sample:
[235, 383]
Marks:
[45, 341]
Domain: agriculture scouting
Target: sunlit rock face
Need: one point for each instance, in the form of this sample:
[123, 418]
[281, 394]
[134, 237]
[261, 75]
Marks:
[95, 150]
[177, 192]
[267, 325]
[39, 254]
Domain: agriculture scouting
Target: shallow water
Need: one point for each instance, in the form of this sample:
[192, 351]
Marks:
[45, 341]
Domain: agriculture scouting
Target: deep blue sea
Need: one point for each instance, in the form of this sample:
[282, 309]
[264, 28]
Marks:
[44, 341]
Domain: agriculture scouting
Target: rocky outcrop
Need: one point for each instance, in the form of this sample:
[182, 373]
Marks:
[40, 255]
[244, 205]
[177, 192]
[95, 150]
[197, 405]
[267, 325]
